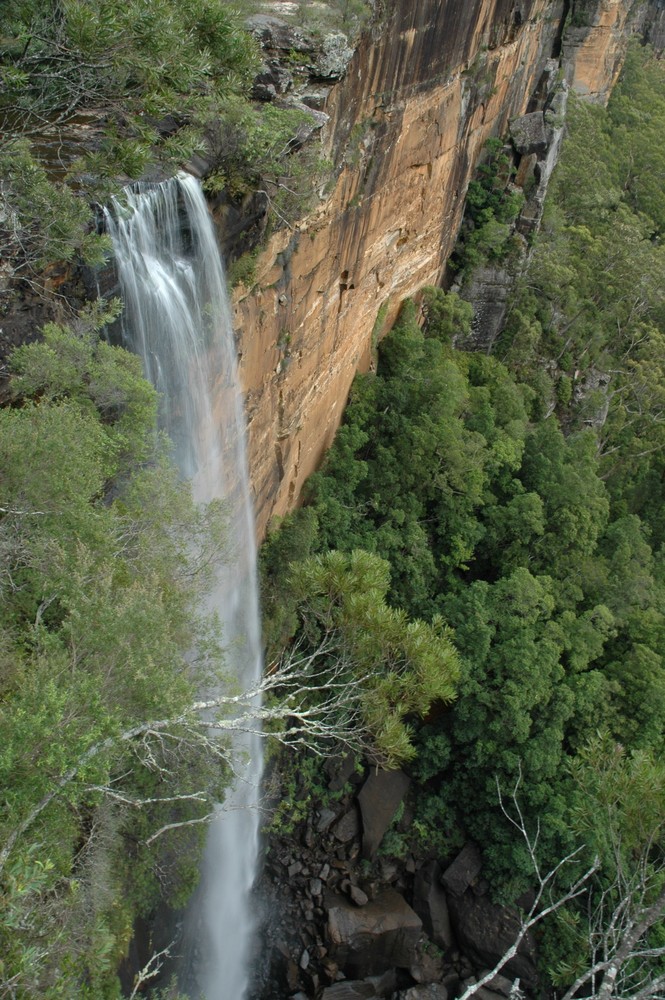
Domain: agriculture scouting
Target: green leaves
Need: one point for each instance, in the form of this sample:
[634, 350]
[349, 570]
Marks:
[403, 666]
[43, 221]
[141, 81]
[105, 562]
[591, 307]
[620, 802]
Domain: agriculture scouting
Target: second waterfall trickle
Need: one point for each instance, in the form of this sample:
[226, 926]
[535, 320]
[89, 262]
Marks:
[177, 318]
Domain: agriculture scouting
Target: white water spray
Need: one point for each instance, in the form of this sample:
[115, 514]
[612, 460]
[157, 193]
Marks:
[177, 318]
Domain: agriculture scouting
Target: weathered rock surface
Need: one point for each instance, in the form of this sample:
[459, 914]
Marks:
[374, 938]
[594, 44]
[463, 871]
[333, 60]
[433, 991]
[275, 33]
[485, 931]
[379, 800]
[529, 133]
[488, 291]
[360, 989]
[431, 905]
[407, 124]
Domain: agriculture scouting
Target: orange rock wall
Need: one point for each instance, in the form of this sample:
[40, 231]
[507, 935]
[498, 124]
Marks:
[407, 125]
[593, 53]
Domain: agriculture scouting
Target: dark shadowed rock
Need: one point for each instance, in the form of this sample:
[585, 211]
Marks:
[340, 770]
[485, 931]
[432, 991]
[348, 828]
[427, 968]
[429, 902]
[379, 799]
[486, 994]
[463, 872]
[500, 984]
[316, 98]
[487, 290]
[359, 989]
[371, 939]
[350, 990]
[263, 92]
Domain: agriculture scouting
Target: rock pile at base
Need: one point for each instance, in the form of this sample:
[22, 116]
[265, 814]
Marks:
[347, 921]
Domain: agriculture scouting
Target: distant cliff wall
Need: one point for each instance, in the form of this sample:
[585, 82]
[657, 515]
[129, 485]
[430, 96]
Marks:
[407, 125]
[594, 44]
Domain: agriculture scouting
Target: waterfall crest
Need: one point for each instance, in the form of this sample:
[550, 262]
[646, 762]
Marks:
[177, 317]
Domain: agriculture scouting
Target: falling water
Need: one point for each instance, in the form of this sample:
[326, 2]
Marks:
[177, 318]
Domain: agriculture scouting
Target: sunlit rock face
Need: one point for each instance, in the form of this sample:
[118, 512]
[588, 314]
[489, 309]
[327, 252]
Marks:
[407, 125]
[594, 45]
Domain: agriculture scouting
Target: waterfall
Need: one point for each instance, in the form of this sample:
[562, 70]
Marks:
[177, 318]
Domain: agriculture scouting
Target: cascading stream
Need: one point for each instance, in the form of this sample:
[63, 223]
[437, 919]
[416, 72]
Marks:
[177, 318]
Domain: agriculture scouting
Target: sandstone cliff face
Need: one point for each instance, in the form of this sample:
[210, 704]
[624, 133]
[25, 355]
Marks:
[594, 44]
[407, 125]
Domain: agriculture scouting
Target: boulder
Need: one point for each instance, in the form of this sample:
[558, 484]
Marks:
[272, 79]
[359, 989]
[368, 940]
[316, 98]
[429, 902]
[274, 33]
[348, 827]
[312, 121]
[432, 991]
[427, 968]
[486, 994]
[526, 171]
[334, 57]
[464, 870]
[529, 133]
[340, 770]
[485, 931]
[379, 799]
[263, 91]
[325, 819]
[359, 897]
[499, 984]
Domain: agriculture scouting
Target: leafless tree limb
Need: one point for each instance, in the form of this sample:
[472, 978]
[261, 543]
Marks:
[544, 903]
[151, 969]
[305, 700]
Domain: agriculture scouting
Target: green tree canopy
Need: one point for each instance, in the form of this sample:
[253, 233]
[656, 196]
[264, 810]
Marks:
[102, 630]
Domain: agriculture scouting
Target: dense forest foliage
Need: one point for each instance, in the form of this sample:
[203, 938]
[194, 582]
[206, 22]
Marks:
[105, 561]
[108, 769]
[518, 497]
[485, 529]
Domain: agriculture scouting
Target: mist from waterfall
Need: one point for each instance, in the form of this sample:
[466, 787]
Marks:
[177, 317]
